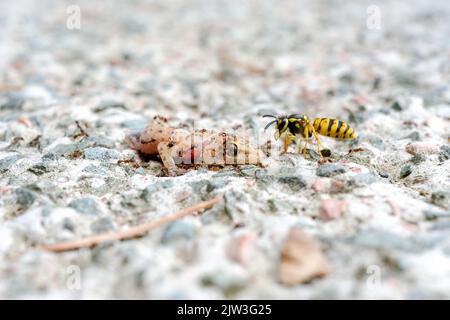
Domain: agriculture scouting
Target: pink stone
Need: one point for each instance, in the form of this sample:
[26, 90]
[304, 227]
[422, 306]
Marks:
[336, 186]
[25, 121]
[302, 259]
[332, 209]
[242, 248]
[356, 169]
[319, 185]
[422, 148]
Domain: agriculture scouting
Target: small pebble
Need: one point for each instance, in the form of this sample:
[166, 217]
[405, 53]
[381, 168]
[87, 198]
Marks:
[7, 162]
[405, 171]
[95, 170]
[199, 186]
[242, 248]
[336, 186]
[332, 209]
[85, 205]
[13, 102]
[414, 136]
[396, 106]
[326, 152]
[100, 153]
[39, 169]
[320, 185]
[383, 174]
[364, 179]
[441, 198]
[315, 155]
[422, 148]
[25, 198]
[323, 185]
[215, 185]
[330, 170]
[95, 141]
[25, 121]
[418, 158]
[263, 178]
[445, 153]
[302, 259]
[62, 150]
[232, 200]
[177, 231]
[102, 225]
[248, 171]
[295, 183]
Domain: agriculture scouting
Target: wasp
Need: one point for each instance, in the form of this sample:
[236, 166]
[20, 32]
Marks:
[302, 126]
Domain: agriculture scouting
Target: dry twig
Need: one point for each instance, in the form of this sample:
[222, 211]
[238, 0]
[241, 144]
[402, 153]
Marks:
[133, 232]
[4, 87]
[82, 132]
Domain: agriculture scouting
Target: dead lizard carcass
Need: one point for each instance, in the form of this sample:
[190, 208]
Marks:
[182, 148]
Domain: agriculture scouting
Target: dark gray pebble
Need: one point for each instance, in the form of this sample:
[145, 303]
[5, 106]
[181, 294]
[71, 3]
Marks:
[7, 162]
[405, 171]
[85, 205]
[102, 225]
[295, 183]
[25, 198]
[100, 153]
[177, 231]
[330, 170]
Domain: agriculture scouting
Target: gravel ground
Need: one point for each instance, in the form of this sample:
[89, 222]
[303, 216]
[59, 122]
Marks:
[373, 223]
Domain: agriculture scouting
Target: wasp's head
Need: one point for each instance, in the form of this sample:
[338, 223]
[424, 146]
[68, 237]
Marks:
[280, 122]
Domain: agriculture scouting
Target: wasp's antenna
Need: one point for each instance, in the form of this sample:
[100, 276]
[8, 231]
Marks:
[269, 115]
[269, 124]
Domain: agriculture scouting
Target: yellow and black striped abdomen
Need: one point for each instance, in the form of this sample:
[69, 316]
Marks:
[334, 128]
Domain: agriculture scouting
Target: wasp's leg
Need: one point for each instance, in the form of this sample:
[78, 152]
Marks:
[306, 141]
[288, 138]
[165, 152]
[299, 144]
[316, 136]
[285, 145]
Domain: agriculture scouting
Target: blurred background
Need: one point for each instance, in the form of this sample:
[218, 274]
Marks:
[222, 56]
